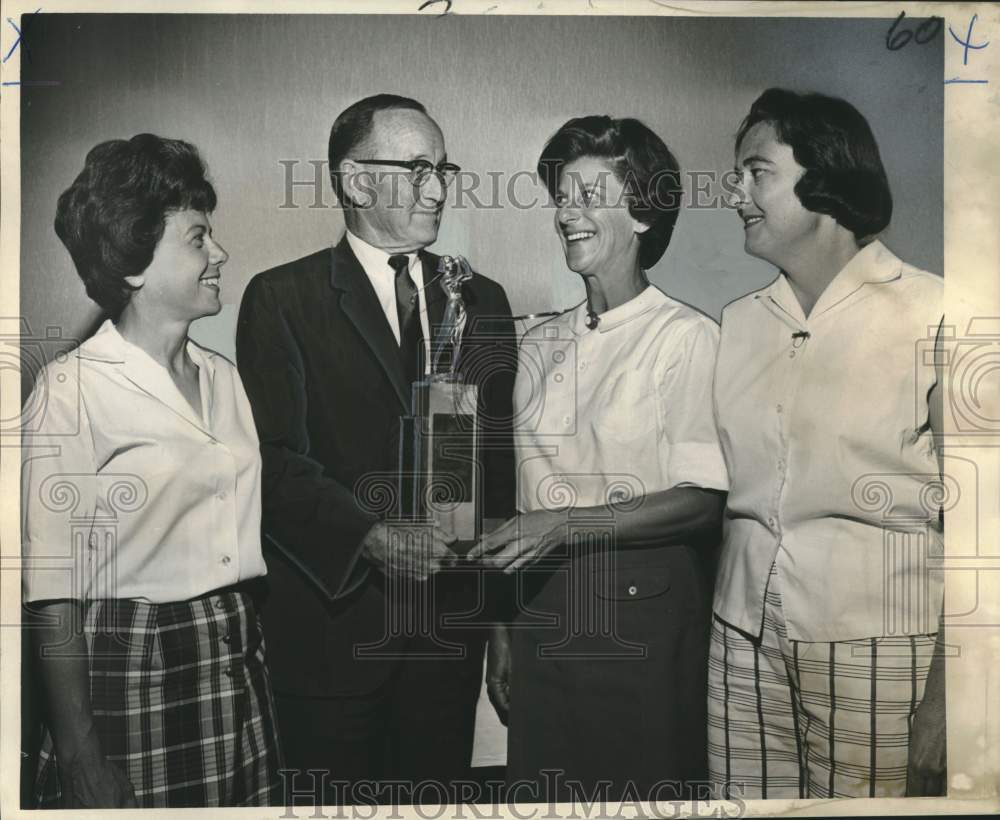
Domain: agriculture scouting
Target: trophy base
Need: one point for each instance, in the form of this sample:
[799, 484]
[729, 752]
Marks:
[440, 475]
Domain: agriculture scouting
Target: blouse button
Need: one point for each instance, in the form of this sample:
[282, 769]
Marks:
[225, 560]
[227, 638]
[791, 354]
[633, 589]
[779, 408]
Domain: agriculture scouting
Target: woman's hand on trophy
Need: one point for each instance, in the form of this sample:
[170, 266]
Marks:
[522, 540]
[405, 550]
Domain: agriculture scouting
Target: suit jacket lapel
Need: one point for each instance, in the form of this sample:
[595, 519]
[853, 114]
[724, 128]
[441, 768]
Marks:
[362, 308]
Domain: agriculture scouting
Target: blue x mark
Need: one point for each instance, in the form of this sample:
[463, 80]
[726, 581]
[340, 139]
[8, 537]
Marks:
[17, 42]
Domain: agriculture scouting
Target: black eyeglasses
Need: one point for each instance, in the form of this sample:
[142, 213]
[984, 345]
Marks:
[420, 170]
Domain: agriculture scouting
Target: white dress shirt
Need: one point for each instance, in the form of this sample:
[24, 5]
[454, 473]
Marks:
[127, 491]
[375, 262]
[830, 456]
[619, 411]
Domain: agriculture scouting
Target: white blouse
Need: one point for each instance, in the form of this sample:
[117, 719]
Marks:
[824, 425]
[127, 492]
[619, 411]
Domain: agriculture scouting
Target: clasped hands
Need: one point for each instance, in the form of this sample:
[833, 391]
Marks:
[419, 551]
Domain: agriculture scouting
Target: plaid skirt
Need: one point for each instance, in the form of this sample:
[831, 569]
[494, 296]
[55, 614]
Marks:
[799, 719]
[182, 702]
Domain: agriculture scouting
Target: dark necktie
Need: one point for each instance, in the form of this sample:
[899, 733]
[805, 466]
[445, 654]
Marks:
[411, 336]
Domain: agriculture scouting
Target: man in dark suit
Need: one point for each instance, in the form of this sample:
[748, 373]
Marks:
[371, 682]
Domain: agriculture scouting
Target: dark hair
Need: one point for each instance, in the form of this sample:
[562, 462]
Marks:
[354, 126]
[641, 162]
[112, 216]
[844, 176]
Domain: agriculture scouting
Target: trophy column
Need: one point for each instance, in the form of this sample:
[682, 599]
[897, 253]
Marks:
[440, 473]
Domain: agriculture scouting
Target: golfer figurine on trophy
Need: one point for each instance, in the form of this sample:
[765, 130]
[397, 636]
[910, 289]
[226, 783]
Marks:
[439, 469]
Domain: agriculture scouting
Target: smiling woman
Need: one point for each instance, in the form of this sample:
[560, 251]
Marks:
[829, 190]
[625, 438]
[162, 698]
[593, 220]
[825, 679]
[182, 281]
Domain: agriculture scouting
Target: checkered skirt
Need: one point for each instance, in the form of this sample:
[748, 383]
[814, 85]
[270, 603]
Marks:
[800, 719]
[182, 702]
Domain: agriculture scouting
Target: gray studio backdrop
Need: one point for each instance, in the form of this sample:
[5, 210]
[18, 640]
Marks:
[257, 95]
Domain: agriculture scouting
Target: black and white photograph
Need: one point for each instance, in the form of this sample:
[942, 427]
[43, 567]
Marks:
[527, 409]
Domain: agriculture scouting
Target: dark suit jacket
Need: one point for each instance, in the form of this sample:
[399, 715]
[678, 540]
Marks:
[323, 373]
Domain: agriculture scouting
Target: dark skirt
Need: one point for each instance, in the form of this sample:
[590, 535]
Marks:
[608, 678]
[182, 702]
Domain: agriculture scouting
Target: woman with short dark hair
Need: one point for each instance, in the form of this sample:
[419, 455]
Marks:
[823, 677]
[831, 140]
[620, 490]
[643, 165]
[141, 522]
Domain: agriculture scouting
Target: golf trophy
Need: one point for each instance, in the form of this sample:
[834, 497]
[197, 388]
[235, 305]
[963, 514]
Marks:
[439, 469]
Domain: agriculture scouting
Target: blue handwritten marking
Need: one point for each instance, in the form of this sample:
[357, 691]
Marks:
[17, 42]
[32, 82]
[967, 42]
[959, 80]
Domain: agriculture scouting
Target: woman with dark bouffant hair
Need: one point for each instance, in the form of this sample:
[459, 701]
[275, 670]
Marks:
[824, 680]
[141, 522]
[620, 492]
